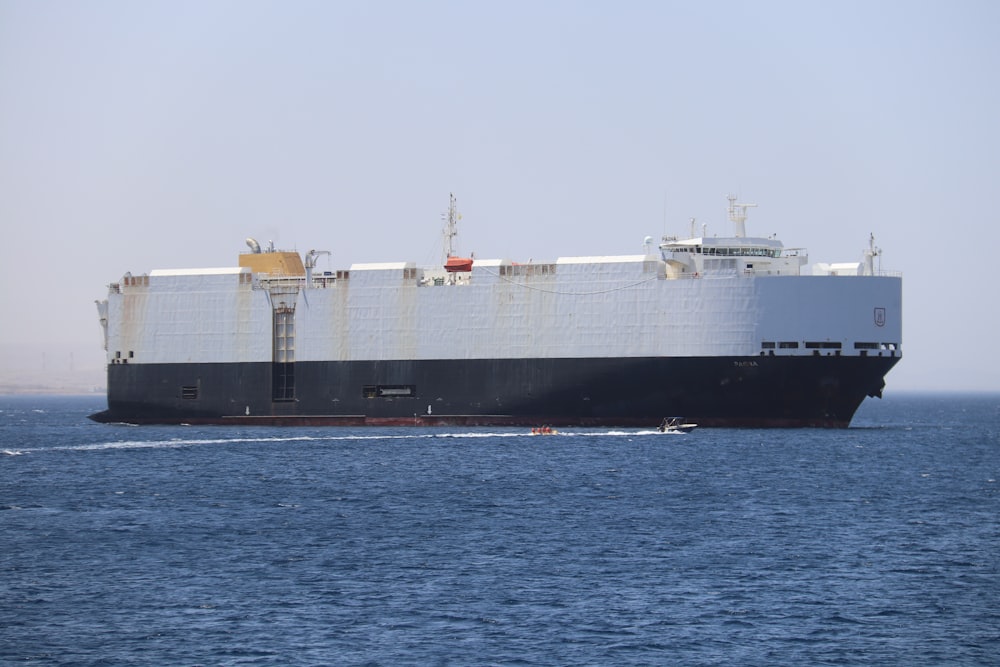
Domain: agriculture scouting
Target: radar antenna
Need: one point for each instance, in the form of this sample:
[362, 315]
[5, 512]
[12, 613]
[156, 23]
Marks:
[738, 216]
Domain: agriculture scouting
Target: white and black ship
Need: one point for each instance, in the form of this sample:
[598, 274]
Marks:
[727, 331]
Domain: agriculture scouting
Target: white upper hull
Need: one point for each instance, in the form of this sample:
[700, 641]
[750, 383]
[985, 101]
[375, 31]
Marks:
[603, 307]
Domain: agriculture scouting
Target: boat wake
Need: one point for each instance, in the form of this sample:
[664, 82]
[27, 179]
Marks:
[178, 443]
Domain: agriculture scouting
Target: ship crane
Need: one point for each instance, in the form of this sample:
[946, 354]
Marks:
[311, 264]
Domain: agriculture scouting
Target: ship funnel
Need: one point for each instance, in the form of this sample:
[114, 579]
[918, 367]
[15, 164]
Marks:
[254, 246]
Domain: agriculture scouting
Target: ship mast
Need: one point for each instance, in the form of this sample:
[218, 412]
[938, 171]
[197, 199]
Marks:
[450, 227]
[453, 264]
[870, 256]
[738, 216]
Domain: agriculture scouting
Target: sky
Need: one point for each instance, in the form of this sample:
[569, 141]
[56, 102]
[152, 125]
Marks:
[145, 135]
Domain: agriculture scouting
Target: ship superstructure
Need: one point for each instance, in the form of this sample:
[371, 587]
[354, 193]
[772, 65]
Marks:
[727, 331]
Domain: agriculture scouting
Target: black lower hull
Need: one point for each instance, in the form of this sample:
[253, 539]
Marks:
[766, 391]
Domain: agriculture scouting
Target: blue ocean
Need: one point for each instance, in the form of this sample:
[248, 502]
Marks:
[878, 544]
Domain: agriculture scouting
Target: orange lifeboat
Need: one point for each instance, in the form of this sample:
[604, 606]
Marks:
[456, 264]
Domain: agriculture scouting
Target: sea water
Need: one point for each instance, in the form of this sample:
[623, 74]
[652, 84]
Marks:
[878, 544]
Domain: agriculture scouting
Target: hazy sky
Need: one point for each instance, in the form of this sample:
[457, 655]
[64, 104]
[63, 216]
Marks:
[143, 135]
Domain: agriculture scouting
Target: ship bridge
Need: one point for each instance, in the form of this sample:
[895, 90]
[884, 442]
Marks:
[726, 247]
[738, 253]
[752, 256]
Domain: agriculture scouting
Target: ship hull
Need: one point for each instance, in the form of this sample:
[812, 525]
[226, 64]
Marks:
[762, 391]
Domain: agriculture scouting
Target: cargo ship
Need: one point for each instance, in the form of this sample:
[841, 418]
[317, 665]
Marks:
[732, 331]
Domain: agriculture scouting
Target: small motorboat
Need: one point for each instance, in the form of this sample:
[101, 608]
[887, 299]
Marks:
[675, 425]
[544, 430]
